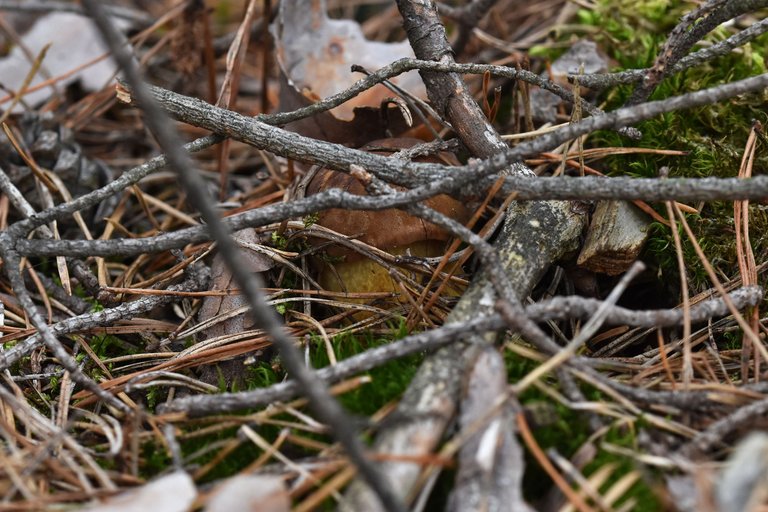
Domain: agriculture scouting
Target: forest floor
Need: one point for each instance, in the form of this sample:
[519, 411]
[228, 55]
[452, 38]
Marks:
[512, 300]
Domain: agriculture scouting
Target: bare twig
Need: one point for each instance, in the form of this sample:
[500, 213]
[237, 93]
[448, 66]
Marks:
[589, 329]
[603, 81]
[128, 178]
[692, 27]
[11, 264]
[715, 433]
[101, 318]
[557, 308]
[201, 114]
[471, 175]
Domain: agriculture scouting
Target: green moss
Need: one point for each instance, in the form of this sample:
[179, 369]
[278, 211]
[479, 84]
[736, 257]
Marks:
[713, 136]
[310, 219]
[154, 460]
[641, 492]
[558, 427]
[103, 344]
[566, 434]
[279, 241]
[233, 463]
[562, 429]
[261, 375]
[388, 382]
[731, 341]
[152, 396]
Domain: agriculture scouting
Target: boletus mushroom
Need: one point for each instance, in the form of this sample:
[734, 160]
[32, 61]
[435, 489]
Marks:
[393, 231]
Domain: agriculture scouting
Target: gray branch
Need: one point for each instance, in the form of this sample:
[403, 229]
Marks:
[557, 308]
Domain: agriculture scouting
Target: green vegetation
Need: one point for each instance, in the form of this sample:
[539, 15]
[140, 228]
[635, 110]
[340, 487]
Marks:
[714, 137]
[310, 219]
[279, 241]
[556, 426]
[388, 382]
[155, 459]
[641, 493]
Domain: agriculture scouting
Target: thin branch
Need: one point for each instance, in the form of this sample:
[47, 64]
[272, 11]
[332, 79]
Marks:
[404, 65]
[263, 136]
[717, 432]
[589, 329]
[128, 178]
[604, 80]
[334, 156]
[558, 308]
[559, 188]
[692, 27]
[102, 318]
[649, 189]
[11, 262]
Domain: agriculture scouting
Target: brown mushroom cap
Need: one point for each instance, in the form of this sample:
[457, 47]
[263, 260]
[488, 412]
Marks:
[390, 228]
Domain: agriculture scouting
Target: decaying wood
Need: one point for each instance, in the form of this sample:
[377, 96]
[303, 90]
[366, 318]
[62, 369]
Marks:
[615, 237]
[490, 461]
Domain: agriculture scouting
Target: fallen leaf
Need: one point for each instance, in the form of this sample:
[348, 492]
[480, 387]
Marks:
[315, 54]
[74, 41]
[221, 280]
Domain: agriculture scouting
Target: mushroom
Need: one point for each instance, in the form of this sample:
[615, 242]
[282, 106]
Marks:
[392, 230]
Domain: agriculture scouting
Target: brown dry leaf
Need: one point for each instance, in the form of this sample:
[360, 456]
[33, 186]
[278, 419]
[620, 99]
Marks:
[404, 234]
[315, 55]
[403, 229]
[221, 279]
